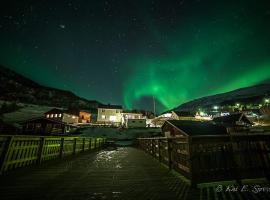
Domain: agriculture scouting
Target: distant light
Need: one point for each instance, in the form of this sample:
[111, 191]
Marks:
[202, 114]
[267, 100]
[237, 104]
[215, 107]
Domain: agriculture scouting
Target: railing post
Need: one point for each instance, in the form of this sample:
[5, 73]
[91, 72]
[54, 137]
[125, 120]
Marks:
[5, 153]
[159, 155]
[74, 145]
[90, 143]
[169, 153]
[40, 151]
[61, 147]
[83, 144]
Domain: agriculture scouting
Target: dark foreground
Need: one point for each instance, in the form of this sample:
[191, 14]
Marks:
[126, 173]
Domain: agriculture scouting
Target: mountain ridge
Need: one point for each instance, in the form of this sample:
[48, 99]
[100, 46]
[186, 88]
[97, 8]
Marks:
[251, 94]
[18, 88]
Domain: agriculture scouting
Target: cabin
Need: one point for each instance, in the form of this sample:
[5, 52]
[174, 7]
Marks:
[135, 123]
[84, 115]
[137, 118]
[109, 115]
[46, 126]
[62, 116]
[235, 123]
[182, 128]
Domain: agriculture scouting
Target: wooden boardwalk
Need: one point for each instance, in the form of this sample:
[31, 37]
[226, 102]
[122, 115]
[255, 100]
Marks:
[125, 173]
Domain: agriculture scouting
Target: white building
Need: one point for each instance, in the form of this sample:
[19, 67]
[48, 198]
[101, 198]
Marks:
[135, 123]
[109, 115]
[133, 120]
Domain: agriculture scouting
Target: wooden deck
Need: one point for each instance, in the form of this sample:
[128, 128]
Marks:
[125, 173]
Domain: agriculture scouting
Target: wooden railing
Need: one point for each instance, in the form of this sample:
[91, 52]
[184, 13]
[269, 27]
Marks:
[20, 151]
[213, 158]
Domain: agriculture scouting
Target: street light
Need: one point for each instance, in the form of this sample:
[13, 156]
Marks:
[215, 107]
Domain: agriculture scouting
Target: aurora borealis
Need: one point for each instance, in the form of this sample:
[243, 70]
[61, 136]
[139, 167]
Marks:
[127, 52]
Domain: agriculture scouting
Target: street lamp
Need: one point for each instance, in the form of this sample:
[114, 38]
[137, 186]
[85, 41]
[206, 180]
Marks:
[215, 107]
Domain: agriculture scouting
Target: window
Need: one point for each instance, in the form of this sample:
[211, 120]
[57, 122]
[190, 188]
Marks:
[51, 115]
[48, 116]
[55, 115]
[103, 117]
[112, 118]
[59, 115]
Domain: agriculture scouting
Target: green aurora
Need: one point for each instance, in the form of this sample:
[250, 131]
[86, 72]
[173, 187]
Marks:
[215, 57]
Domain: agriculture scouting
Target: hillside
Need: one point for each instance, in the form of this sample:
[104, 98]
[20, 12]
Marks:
[253, 94]
[15, 87]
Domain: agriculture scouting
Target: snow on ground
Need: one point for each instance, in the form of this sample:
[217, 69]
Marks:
[115, 133]
[27, 112]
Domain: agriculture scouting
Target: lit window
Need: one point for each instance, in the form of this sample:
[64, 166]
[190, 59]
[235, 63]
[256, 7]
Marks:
[73, 117]
[51, 115]
[55, 115]
[59, 115]
[103, 117]
[48, 116]
[112, 118]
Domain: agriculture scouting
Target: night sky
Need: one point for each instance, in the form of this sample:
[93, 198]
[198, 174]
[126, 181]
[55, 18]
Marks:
[125, 51]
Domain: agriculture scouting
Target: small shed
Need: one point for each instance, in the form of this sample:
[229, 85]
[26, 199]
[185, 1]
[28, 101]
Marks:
[182, 128]
[45, 126]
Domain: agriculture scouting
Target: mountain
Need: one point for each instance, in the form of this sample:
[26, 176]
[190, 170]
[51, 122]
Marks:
[254, 94]
[15, 87]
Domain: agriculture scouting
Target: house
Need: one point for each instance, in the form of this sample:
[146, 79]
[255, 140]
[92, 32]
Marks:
[135, 123]
[110, 115]
[182, 128]
[46, 126]
[236, 122]
[129, 118]
[84, 115]
[182, 115]
[62, 116]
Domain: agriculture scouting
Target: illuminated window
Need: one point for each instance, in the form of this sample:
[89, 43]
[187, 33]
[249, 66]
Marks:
[55, 115]
[59, 115]
[48, 116]
[73, 117]
[103, 117]
[112, 118]
[51, 115]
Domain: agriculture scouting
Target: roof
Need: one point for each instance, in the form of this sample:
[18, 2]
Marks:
[232, 119]
[40, 119]
[55, 111]
[183, 113]
[193, 128]
[109, 106]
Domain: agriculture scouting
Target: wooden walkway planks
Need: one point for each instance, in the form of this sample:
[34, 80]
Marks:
[127, 173]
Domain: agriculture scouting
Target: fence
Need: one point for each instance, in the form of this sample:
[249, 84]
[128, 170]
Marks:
[20, 151]
[213, 158]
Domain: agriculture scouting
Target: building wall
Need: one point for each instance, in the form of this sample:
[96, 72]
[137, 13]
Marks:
[136, 123]
[109, 116]
[84, 117]
[70, 119]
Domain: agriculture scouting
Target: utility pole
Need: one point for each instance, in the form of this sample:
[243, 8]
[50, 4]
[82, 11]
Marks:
[154, 103]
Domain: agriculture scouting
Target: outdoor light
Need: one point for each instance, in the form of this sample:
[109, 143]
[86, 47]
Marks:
[267, 100]
[237, 104]
[215, 107]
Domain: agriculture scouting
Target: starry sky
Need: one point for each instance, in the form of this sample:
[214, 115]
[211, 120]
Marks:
[129, 52]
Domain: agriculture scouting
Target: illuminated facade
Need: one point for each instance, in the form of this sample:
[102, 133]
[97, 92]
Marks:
[110, 115]
[62, 116]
